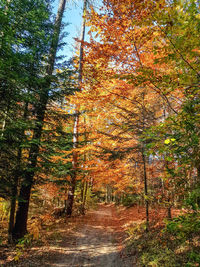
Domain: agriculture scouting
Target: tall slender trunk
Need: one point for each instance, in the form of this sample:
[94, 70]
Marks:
[7, 108]
[85, 183]
[169, 206]
[20, 228]
[145, 190]
[17, 175]
[106, 193]
[198, 173]
[144, 166]
[70, 200]
[14, 192]
[76, 119]
[169, 209]
[74, 170]
[12, 210]
[85, 196]
[82, 38]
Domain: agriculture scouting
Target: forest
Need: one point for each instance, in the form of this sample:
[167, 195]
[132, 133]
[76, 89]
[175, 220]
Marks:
[114, 131]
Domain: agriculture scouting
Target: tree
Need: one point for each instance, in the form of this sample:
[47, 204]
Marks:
[76, 117]
[135, 46]
[44, 89]
[23, 47]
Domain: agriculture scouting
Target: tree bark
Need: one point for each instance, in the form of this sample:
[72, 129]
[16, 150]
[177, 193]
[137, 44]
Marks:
[145, 190]
[85, 196]
[70, 200]
[20, 228]
[76, 119]
[12, 210]
[14, 193]
[75, 168]
[198, 173]
[16, 175]
[169, 211]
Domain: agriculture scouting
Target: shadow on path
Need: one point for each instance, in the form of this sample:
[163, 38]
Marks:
[93, 243]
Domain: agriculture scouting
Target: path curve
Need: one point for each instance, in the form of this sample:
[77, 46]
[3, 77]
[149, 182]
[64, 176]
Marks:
[94, 242]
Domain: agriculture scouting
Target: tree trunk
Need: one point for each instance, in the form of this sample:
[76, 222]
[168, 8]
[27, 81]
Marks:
[106, 197]
[20, 228]
[12, 209]
[85, 183]
[14, 192]
[145, 190]
[16, 175]
[84, 197]
[169, 212]
[75, 168]
[76, 119]
[82, 38]
[70, 200]
[198, 174]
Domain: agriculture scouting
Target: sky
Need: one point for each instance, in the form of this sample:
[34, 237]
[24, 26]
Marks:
[73, 16]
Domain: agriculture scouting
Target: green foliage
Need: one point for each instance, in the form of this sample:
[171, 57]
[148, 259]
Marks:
[177, 244]
[130, 200]
[4, 209]
[24, 44]
[158, 256]
[194, 259]
[184, 226]
[136, 229]
[151, 249]
[21, 246]
[193, 199]
[25, 241]
[91, 199]
[185, 230]
[175, 143]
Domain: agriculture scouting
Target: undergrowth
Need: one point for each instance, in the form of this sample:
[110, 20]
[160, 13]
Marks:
[175, 244]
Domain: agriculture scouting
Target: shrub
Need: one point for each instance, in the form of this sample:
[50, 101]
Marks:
[130, 200]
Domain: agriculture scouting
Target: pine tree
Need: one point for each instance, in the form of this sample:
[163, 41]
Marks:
[20, 227]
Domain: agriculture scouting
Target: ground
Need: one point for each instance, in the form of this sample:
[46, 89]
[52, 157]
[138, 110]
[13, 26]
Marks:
[94, 243]
[96, 239]
[91, 240]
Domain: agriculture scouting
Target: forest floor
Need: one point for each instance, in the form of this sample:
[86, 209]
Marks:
[96, 239]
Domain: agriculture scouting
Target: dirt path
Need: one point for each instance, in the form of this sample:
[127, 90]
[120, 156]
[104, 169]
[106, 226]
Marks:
[94, 242]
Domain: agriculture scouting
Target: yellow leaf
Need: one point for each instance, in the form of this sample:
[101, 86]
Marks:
[167, 141]
[16, 258]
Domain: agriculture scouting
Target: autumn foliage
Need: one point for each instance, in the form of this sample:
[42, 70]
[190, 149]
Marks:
[121, 120]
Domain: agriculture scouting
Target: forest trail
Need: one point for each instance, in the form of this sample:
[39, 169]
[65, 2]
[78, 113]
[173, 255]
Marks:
[95, 242]
[95, 239]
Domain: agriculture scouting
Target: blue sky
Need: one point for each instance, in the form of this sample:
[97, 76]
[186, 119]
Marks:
[73, 15]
